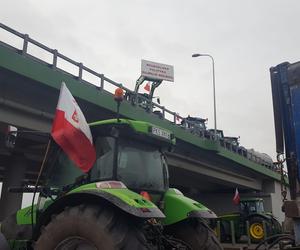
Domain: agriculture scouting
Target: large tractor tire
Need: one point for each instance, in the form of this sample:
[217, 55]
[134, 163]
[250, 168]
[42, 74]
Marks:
[88, 227]
[256, 229]
[196, 234]
[3, 243]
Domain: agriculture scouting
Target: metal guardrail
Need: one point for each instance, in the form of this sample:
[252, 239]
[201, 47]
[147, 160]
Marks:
[103, 81]
[81, 68]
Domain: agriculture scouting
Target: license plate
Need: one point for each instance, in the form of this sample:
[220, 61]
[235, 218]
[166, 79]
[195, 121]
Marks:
[161, 133]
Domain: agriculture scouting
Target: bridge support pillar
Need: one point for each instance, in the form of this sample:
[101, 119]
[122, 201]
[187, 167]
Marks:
[274, 202]
[14, 175]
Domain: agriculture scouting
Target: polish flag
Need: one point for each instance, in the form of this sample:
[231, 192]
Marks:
[71, 131]
[147, 87]
[236, 197]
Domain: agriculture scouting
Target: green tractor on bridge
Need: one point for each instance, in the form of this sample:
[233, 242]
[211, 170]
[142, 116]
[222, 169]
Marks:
[123, 202]
[251, 221]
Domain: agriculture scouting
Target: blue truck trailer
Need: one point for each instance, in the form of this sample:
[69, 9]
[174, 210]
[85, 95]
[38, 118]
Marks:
[285, 80]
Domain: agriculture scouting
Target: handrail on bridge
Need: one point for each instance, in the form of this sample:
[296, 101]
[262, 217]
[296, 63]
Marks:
[81, 68]
[131, 95]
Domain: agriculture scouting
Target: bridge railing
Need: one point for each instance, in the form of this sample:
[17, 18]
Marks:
[81, 68]
[102, 85]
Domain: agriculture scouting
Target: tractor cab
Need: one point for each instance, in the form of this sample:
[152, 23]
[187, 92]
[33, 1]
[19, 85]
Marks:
[231, 143]
[234, 141]
[195, 125]
[194, 122]
[144, 100]
[128, 151]
[219, 134]
[252, 206]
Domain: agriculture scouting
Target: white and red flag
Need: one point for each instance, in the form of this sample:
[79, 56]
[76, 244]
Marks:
[236, 197]
[71, 131]
[147, 87]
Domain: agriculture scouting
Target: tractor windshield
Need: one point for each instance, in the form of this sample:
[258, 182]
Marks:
[138, 165]
[255, 206]
[260, 207]
[141, 166]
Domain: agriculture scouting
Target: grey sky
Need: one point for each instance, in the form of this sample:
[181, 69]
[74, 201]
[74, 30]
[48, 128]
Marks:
[246, 38]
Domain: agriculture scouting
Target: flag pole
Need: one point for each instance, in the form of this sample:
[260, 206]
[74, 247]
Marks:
[118, 110]
[37, 182]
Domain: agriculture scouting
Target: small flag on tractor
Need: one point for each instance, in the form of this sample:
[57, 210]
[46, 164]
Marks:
[71, 131]
[147, 87]
[177, 117]
[236, 197]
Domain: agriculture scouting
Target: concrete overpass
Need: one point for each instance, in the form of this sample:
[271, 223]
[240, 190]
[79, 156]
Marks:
[29, 88]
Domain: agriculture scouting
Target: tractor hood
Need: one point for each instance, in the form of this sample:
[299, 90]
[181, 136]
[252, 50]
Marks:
[117, 193]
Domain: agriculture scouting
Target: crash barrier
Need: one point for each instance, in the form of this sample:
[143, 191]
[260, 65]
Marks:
[103, 83]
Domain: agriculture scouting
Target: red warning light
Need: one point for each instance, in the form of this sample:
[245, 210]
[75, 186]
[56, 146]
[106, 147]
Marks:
[119, 93]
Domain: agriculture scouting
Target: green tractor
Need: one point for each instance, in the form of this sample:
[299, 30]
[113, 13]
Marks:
[251, 210]
[123, 202]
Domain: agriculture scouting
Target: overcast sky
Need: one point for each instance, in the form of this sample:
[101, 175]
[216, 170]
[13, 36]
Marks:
[245, 38]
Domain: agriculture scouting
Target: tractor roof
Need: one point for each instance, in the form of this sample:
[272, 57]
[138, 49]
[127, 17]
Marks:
[195, 119]
[141, 127]
[231, 138]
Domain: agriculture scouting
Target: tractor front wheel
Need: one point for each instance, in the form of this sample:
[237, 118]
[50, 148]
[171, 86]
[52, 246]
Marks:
[90, 227]
[196, 234]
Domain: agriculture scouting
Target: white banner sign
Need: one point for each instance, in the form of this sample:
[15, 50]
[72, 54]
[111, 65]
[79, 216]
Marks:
[157, 71]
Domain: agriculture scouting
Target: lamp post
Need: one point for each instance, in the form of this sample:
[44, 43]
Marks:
[214, 90]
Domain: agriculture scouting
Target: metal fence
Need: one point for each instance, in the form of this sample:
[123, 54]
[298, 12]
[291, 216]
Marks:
[103, 83]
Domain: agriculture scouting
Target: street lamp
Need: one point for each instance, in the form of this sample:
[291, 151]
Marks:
[214, 89]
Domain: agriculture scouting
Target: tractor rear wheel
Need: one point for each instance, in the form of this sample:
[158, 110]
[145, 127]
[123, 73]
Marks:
[90, 227]
[256, 229]
[196, 234]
